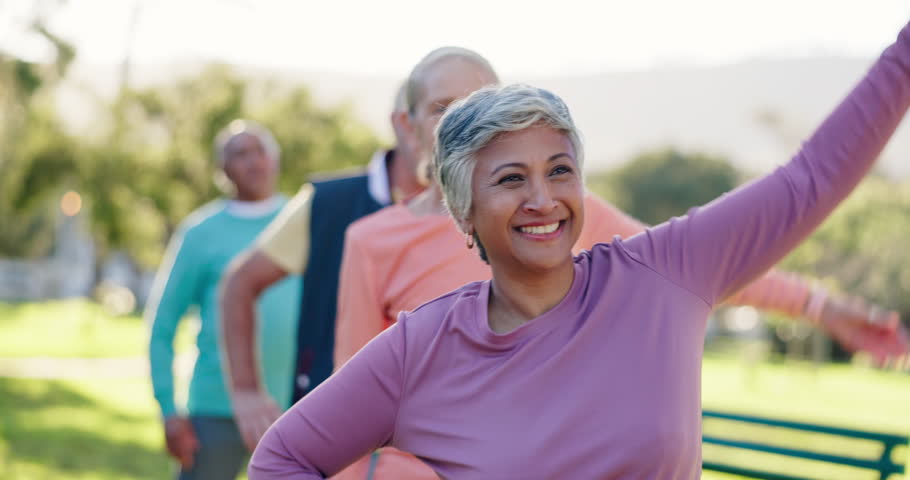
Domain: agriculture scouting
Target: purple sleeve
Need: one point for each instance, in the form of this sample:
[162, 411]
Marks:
[346, 417]
[717, 249]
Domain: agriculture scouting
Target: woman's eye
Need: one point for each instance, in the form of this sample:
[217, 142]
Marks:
[510, 178]
[560, 170]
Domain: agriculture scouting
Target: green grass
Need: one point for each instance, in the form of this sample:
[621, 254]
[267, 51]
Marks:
[87, 429]
[76, 328]
[81, 430]
[836, 395]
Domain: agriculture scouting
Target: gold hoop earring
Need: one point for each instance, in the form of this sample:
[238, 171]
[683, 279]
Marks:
[469, 240]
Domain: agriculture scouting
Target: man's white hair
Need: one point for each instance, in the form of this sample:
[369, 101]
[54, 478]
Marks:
[414, 90]
[241, 127]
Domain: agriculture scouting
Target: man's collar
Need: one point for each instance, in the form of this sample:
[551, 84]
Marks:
[378, 176]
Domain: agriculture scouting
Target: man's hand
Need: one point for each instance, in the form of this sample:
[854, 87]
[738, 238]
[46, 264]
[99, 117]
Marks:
[180, 439]
[255, 411]
[860, 327]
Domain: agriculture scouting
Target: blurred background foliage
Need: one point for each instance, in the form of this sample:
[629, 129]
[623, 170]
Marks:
[861, 249]
[151, 161]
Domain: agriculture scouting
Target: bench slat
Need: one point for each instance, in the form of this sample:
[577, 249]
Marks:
[887, 438]
[745, 472]
[880, 466]
[884, 465]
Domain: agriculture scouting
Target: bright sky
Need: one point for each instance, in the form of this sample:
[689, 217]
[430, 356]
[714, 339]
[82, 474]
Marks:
[519, 36]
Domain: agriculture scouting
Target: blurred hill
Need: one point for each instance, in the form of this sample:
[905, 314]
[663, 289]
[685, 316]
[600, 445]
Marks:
[755, 112]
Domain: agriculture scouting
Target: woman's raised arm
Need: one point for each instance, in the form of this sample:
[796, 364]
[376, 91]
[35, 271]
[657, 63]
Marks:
[718, 248]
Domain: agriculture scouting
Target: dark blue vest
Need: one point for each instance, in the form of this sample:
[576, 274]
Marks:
[336, 204]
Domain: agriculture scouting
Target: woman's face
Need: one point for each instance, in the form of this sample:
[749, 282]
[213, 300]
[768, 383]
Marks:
[527, 206]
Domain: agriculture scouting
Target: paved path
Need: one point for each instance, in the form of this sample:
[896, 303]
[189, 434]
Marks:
[62, 367]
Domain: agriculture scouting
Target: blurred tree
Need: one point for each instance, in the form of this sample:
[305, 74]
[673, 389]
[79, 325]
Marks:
[312, 139]
[660, 184]
[156, 163]
[861, 248]
[37, 157]
[153, 163]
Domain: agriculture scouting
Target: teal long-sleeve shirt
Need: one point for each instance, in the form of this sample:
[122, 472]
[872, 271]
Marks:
[188, 278]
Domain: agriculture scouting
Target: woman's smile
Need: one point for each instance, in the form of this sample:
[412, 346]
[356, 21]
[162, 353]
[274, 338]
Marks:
[542, 231]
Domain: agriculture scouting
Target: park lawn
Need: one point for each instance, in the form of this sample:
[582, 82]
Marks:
[841, 395]
[108, 429]
[77, 328]
[81, 430]
[86, 429]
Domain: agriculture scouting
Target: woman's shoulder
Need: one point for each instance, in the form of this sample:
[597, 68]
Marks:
[444, 312]
[603, 258]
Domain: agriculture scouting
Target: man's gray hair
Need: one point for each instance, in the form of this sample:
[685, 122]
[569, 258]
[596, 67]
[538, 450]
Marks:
[241, 126]
[401, 98]
[414, 85]
[472, 123]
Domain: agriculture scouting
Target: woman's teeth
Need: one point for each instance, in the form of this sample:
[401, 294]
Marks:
[540, 229]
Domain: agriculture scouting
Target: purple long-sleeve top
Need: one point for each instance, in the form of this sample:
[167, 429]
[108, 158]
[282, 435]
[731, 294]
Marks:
[607, 383]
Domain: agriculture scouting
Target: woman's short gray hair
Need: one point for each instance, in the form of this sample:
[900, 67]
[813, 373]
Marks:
[472, 123]
[238, 127]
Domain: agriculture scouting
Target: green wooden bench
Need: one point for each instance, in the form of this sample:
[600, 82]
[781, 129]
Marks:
[884, 464]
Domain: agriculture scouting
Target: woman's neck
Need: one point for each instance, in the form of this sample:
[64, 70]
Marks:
[519, 296]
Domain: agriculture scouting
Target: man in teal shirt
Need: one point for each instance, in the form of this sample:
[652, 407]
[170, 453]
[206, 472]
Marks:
[204, 438]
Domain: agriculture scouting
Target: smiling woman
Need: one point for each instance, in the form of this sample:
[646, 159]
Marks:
[512, 167]
[562, 366]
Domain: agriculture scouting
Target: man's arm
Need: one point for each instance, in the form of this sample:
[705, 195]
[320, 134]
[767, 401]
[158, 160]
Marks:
[176, 287]
[246, 278]
[853, 323]
[281, 249]
[777, 291]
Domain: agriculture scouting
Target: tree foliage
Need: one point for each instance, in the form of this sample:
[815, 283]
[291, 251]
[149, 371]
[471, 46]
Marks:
[153, 162]
[659, 184]
[156, 163]
[861, 249]
[37, 156]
